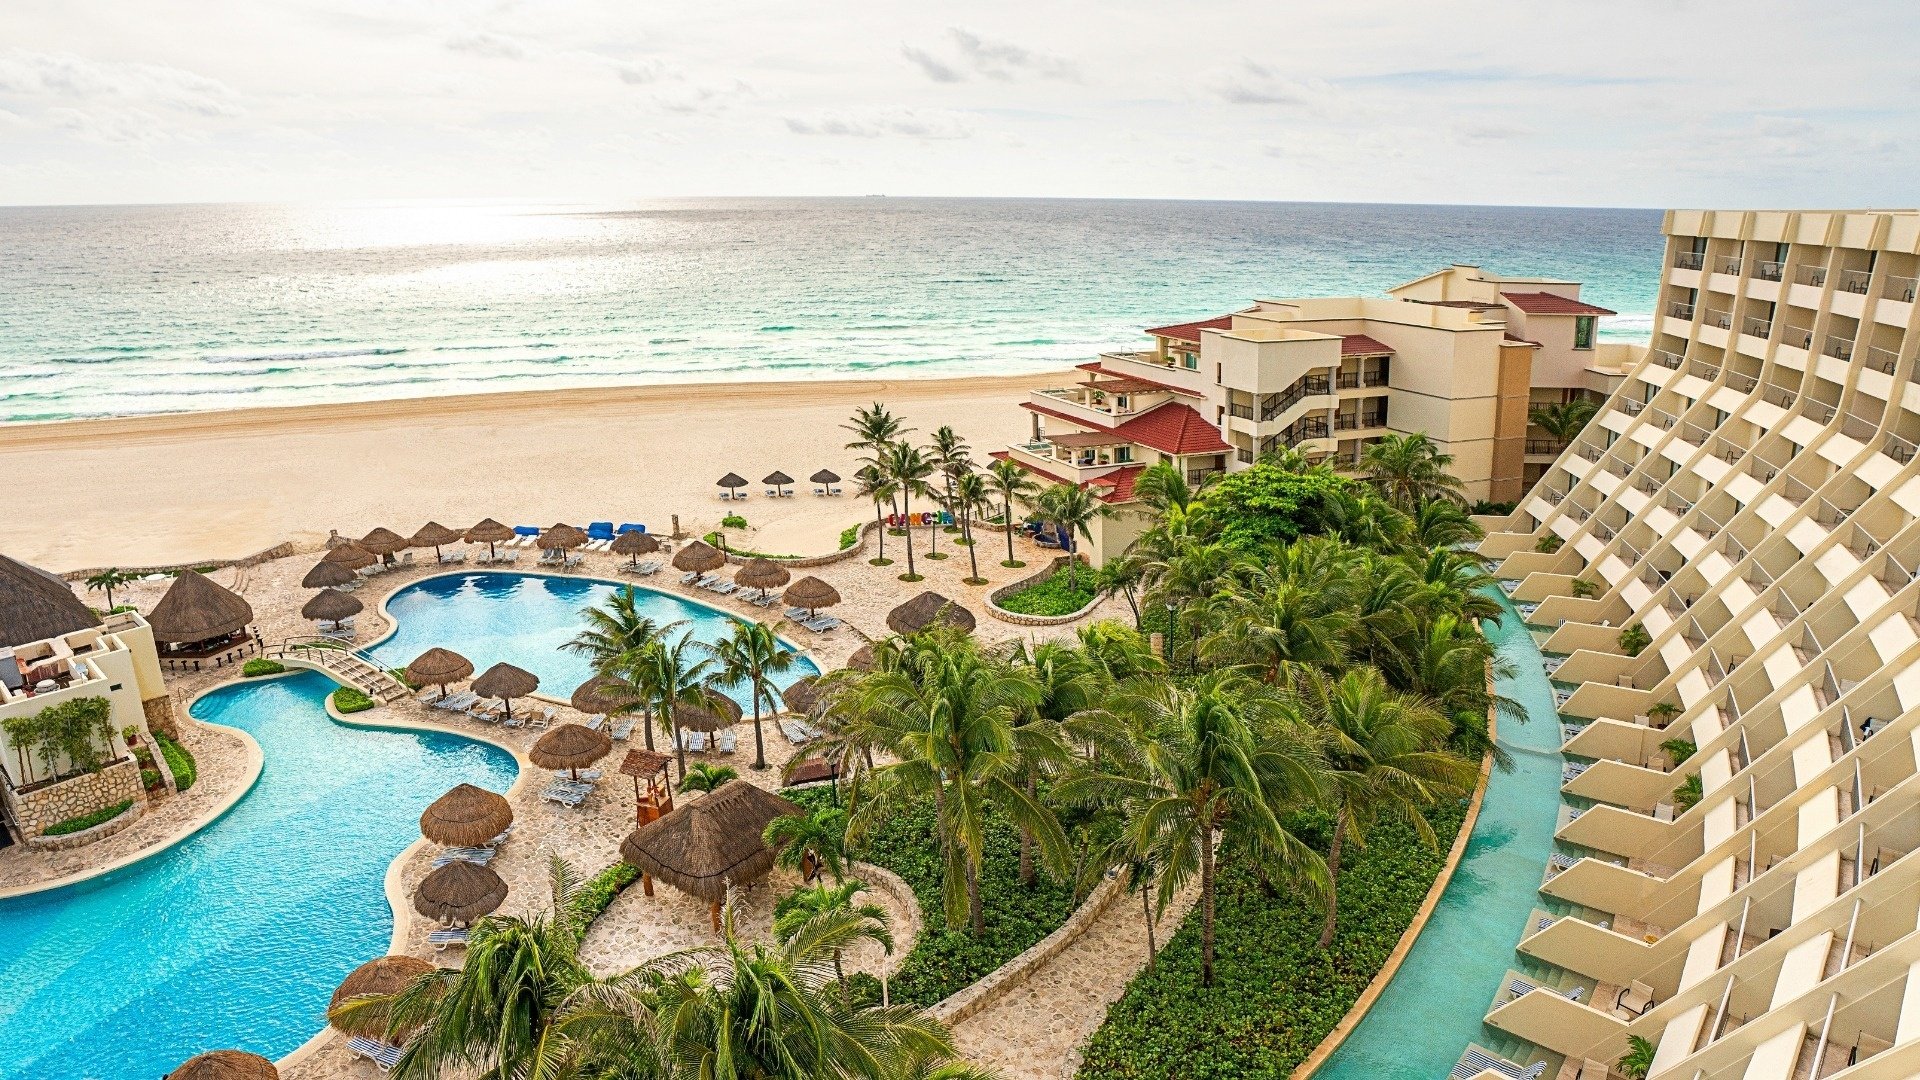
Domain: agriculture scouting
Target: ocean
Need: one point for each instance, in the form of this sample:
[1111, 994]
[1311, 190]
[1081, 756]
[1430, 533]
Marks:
[116, 310]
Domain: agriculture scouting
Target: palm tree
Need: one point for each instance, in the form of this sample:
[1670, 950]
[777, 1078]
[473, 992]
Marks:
[109, 579]
[1012, 483]
[792, 913]
[670, 678]
[614, 631]
[907, 469]
[1163, 487]
[873, 427]
[1409, 470]
[1180, 573]
[810, 842]
[752, 655]
[1563, 421]
[1278, 633]
[950, 455]
[702, 776]
[1386, 757]
[874, 485]
[1187, 764]
[1442, 524]
[1071, 510]
[969, 497]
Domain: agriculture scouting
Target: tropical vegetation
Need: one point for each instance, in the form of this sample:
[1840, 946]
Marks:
[1055, 594]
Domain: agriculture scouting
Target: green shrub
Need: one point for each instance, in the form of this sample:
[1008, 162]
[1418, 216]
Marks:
[1050, 596]
[850, 536]
[733, 521]
[259, 666]
[149, 779]
[1266, 503]
[349, 700]
[1584, 589]
[599, 892]
[1688, 794]
[179, 762]
[1485, 507]
[78, 730]
[1634, 638]
[88, 821]
[1679, 750]
[1548, 544]
[943, 961]
[1276, 994]
[400, 676]
[1638, 1059]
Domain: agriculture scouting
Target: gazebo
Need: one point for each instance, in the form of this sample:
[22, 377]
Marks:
[926, 609]
[436, 536]
[720, 712]
[571, 747]
[35, 605]
[506, 682]
[438, 667]
[778, 481]
[350, 555]
[603, 694]
[198, 618]
[762, 574]
[328, 575]
[634, 544]
[384, 542]
[459, 892]
[379, 978]
[489, 532]
[811, 593]
[225, 1065]
[466, 816]
[331, 605]
[862, 659]
[705, 846]
[699, 557]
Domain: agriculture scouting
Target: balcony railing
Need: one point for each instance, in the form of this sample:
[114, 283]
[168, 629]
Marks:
[1631, 407]
[1815, 276]
[1782, 397]
[1839, 348]
[1752, 326]
[1553, 495]
[1244, 412]
[1882, 360]
[1901, 288]
[1743, 382]
[1899, 449]
[1768, 271]
[1695, 434]
[1704, 370]
[1690, 260]
[1679, 310]
[1855, 281]
[1721, 319]
[1797, 336]
[1591, 453]
[1354, 380]
[1667, 359]
[1545, 446]
[1727, 264]
[1821, 412]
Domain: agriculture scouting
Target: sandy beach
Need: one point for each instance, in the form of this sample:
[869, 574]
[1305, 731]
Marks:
[182, 487]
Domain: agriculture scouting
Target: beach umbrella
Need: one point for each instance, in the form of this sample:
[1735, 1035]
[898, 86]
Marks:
[506, 682]
[383, 542]
[327, 575]
[436, 536]
[635, 544]
[719, 713]
[561, 537]
[862, 659]
[699, 557]
[225, 1065]
[731, 481]
[196, 608]
[603, 694]
[778, 480]
[489, 532]
[466, 816]
[762, 574]
[825, 476]
[571, 747]
[802, 696]
[459, 892]
[331, 605]
[811, 593]
[438, 667]
[382, 977]
[350, 555]
[924, 610]
[706, 846]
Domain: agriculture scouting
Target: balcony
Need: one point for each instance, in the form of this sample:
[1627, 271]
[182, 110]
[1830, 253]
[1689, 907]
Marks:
[1900, 288]
[1363, 421]
[1881, 360]
[1690, 260]
[1721, 319]
[1813, 276]
[1839, 348]
[1727, 264]
[1093, 407]
[1678, 310]
[1855, 281]
[1059, 456]
[1768, 270]
[1753, 326]
[1553, 447]
[1665, 359]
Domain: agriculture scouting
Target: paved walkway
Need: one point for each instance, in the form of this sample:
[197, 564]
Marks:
[1037, 1030]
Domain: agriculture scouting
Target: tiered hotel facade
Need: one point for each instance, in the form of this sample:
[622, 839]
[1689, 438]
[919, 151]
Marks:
[1734, 879]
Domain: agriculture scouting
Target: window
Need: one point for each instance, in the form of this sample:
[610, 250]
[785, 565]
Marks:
[1190, 361]
[1122, 454]
[1583, 331]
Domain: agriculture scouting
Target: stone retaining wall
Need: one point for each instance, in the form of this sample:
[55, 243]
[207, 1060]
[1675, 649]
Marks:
[859, 548]
[1017, 971]
[993, 599]
[159, 713]
[277, 551]
[34, 811]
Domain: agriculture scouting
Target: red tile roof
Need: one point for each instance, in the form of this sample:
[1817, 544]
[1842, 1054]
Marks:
[1175, 429]
[1543, 303]
[1094, 367]
[1362, 345]
[1113, 487]
[1512, 340]
[1190, 331]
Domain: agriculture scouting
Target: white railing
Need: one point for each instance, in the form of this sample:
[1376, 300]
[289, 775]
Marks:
[1754, 326]
[1690, 260]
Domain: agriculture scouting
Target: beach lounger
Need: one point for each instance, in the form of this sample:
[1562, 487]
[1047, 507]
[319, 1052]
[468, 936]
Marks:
[693, 742]
[572, 561]
[592, 723]
[766, 599]
[563, 794]
[725, 742]
[723, 587]
[797, 614]
[479, 856]
[630, 526]
[1473, 1063]
[689, 577]
[796, 732]
[649, 568]
[624, 728]
[457, 702]
[441, 939]
[509, 557]
[385, 1055]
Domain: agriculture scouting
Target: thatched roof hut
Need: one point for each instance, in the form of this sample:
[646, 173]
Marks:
[383, 541]
[350, 555]
[811, 593]
[636, 543]
[703, 846]
[331, 605]
[438, 667]
[459, 892]
[762, 574]
[561, 537]
[720, 712]
[436, 536]
[326, 575]
[803, 695]
[926, 609]
[699, 557]
[571, 747]
[225, 1065]
[466, 816]
[197, 609]
[382, 977]
[35, 605]
[603, 694]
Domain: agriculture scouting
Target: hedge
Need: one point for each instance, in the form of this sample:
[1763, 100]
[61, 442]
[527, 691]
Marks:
[88, 821]
[349, 700]
[944, 961]
[1276, 994]
[850, 535]
[259, 666]
[179, 762]
[1051, 596]
[598, 893]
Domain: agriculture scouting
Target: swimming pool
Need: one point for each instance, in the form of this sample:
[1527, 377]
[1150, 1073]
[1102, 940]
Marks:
[1437, 1001]
[523, 619]
[237, 936]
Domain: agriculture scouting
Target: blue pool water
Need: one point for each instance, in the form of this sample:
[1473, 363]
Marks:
[523, 619]
[237, 936]
[1436, 1002]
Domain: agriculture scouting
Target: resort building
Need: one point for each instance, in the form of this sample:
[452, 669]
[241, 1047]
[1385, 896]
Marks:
[1460, 354]
[1722, 569]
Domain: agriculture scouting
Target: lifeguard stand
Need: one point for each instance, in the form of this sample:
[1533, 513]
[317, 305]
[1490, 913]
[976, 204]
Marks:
[652, 794]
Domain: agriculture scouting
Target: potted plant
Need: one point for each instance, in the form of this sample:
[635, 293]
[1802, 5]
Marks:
[1662, 714]
[1548, 544]
[1584, 589]
[1635, 638]
[1638, 1058]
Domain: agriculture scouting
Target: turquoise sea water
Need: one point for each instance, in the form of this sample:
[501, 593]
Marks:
[523, 619]
[133, 309]
[1434, 1006]
[237, 936]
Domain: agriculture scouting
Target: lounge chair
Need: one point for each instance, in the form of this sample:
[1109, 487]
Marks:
[1636, 999]
[406, 559]
[649, 568]
[479, 856]
[511, 558]
[563, 794]
[457, 702]
[798, 614]
[723, 587]
[630, 526]
[766, 599]
[725, 742]
[796, 732]
[1473, 1063]
[592, 723]
[693, 742]
[385, 1055]
[623, 729]
[690, 577]
[818, 490]
[441, 939]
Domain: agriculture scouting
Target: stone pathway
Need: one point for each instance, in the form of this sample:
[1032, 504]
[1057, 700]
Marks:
[1036, 1031]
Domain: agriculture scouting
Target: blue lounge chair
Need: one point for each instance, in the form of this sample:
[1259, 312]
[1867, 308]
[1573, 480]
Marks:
[385, 1055]
[629, 526]
[600, 530]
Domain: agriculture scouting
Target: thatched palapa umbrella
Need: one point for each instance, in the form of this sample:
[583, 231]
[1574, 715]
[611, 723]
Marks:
[225, 1065]
[720, 712]
[732, 481]
[381, 978]
[466, 816]
[384, 542]
[635, 544]
[862, 659]
[351, 555]
[561, 537]
[825, 476]
[778, 481]
[327, 575]
[459, 892]
[506, 682]
[811, 593]
[926, 609]
[802, 696]
[489, 532]
[436, 536]
[704, 846]
[571, 747]
[438, 667]
[331, 605]
[762, 574]
[197, 609]
[603, 694]
[699, 557]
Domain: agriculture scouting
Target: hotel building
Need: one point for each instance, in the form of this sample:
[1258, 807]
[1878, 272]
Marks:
[1461, 354]
[1722, 569]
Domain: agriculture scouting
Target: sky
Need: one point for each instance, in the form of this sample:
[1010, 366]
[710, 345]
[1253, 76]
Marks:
[1543, 102]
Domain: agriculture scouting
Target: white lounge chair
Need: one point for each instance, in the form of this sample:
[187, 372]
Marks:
[796, 732]
[725, 742]
[564, 794]
[385, 1055]
[441, 939]
[624, 728]
[593, 723]
[479, 856]
[693, 741]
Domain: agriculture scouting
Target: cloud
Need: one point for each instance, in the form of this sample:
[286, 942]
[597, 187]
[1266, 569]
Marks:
[902, 123]
[63, 79]
[703, 98]
[1443, 77]
[934, 68]
[1257, 84]
[1492, 132]
[999, 60]
[488, 44]
[640, 72]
